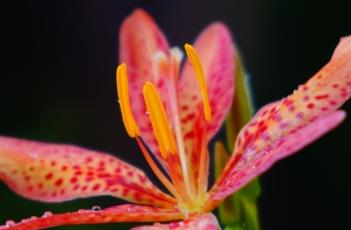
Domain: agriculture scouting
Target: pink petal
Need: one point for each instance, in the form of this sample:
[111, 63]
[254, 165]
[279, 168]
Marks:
[140, 44]
[206, 221]
[53, 173]
[217, 54]
[122, 213]
[343, 48]
[254, 163]
[314, 101]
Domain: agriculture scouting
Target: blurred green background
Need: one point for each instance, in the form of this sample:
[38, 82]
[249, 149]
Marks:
[57, 84]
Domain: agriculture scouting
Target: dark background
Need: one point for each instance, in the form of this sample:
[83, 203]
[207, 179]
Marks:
[57, 84]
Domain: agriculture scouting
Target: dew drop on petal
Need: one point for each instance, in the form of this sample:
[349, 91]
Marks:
[10, 223]
[96, 208]
[47, 214]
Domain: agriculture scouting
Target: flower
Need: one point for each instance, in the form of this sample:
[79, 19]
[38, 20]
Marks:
[172, 115]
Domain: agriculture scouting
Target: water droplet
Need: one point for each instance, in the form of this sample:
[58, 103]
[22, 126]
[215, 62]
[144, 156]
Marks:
[47, 214]
[10, 223]
[96, 208]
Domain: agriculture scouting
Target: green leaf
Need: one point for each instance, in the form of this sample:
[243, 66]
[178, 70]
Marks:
[239, 211]
[229, 211]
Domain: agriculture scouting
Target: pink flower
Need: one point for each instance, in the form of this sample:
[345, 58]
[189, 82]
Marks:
[175, 114]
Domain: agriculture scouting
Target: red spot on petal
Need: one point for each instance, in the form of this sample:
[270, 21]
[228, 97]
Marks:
[102, 163]
[189, 117]
[306, 98]
[76, 167]
[142, 179]
[125, 191]
[190, 134]
[48, 176]
[64, 168]
[73, 180]
[184, 107]
[96, 187]
[332, 102]
[88, 159]
[77, 173]
[59, 182]
[322, 96]
[310, 105]
[103, 175]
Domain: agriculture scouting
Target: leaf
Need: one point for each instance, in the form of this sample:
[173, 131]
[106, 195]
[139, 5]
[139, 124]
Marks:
[239, 211]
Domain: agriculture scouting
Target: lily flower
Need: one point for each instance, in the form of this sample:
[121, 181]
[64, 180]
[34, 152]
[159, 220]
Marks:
[173, 114]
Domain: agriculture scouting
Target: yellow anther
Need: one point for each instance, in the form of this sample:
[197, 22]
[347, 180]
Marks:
[123, 97]
[195, 62]
[159, 121]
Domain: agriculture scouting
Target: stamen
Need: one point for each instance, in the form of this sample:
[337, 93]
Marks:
[159, 120]
[155, 168]
[195, 61]
[123, 96]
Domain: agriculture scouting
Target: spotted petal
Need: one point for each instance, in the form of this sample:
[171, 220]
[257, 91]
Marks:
[141, 44]
[53, 173]
[252, 163]
[122, 213]
[309, 108]
[217, 54]
[205, 221]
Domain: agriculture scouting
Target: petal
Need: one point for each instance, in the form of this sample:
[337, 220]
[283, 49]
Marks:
[253, 163]
[326, 91]
[217, 54]
[206, 221]
[143, 47]
[53, 173]
[122, 213]
[343, 48]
